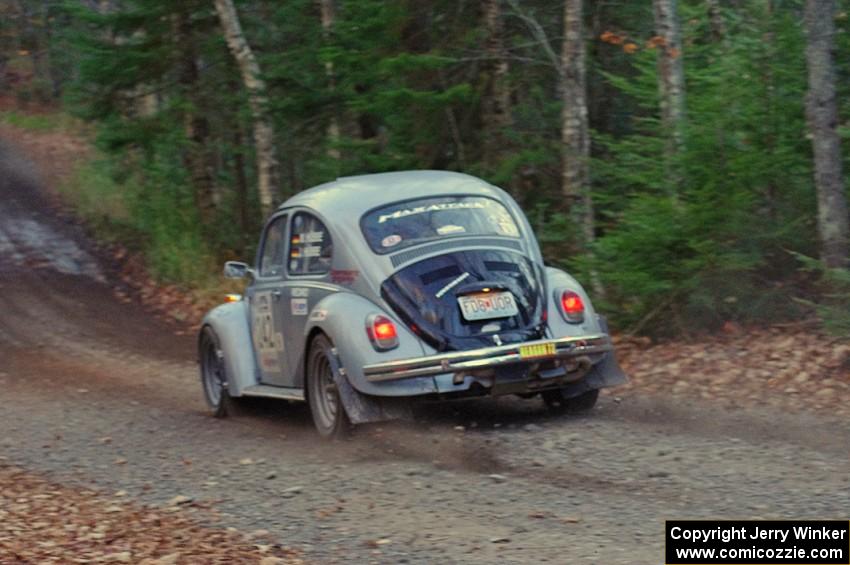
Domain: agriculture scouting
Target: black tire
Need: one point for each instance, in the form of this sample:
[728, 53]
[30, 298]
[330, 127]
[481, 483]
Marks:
[329, 415]
[556, 402]
[214, 375]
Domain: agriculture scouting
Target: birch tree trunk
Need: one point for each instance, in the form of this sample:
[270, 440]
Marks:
[822, 116]
[328, 10]
[256, 87]
[575, 136]
[575, 142]
[671, 83]
[496, 103]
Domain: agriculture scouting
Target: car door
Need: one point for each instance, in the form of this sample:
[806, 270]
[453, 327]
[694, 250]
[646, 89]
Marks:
[266, 302]
[307, 271]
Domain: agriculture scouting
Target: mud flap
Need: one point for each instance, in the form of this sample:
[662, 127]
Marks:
[364, 409]
[604, 374]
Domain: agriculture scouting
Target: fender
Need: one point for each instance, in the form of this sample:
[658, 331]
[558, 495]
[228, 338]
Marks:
[363, 408]
[557, 280]
[230, 323]
[607, 371]
[342, 317]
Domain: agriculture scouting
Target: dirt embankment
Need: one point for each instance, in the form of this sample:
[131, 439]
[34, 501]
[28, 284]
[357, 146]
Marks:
[792, 368]
[53, 156]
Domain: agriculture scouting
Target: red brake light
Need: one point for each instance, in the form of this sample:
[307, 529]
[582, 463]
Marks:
[572, 306]
[385, 330]
[382, 332]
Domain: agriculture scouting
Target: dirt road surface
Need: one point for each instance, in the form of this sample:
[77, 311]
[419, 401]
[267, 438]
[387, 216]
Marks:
[95, 392]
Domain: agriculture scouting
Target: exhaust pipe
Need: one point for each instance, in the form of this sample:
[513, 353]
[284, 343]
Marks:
[581, 366]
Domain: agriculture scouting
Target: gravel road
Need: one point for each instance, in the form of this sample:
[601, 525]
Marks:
[96, 392]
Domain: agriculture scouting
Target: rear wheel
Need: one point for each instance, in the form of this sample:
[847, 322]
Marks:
[214, 375]
[328, 413]
[555, 401]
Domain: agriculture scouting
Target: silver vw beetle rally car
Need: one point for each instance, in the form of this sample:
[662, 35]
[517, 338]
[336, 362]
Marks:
[371, 292]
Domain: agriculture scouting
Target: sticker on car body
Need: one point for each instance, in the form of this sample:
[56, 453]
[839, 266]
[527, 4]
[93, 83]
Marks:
[312, 251]
[313, 237]
[403, 213]
[504, 224]
[319, 315]
[268, 343]
[450, 229]
[342, 276]
[298, 306]
[391, 240]
[308, 237]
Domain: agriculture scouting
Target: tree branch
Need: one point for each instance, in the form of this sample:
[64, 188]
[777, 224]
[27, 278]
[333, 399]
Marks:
[539, 34]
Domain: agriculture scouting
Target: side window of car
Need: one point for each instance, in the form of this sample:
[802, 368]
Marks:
[310, 247]
[274, 245]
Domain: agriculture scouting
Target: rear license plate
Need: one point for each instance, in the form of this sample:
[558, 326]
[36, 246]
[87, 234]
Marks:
[536, 350]
[488, 305]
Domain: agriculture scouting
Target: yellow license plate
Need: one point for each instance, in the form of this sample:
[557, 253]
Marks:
[536, 350]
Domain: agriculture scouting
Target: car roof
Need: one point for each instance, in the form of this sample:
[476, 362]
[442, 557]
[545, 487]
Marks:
[358, 194]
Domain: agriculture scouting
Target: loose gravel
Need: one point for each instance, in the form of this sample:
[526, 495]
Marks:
[99, 396]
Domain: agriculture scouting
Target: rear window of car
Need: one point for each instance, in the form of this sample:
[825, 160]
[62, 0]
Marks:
[310, 246]
[407, 223]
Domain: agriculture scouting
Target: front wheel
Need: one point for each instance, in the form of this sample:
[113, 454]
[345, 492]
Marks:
[214, 375]
[326, 407]
[584, 402]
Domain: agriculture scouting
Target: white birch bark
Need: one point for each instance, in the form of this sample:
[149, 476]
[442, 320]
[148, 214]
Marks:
[496, 104]
[671, 83]
[575, 134]
[257, 99]
[822, 116]
[575, 141]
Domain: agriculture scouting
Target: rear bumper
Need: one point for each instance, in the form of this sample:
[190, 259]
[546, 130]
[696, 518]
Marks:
[488, 357]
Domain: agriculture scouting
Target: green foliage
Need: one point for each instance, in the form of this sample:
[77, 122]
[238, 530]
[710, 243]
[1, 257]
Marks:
[98, 199]
[53, 121]
[146, 72]
[676, 257]
[833, 303]
[683, 242]
[164, 211]
[123, 206]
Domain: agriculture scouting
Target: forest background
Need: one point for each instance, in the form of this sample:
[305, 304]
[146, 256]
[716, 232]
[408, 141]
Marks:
[686, 160]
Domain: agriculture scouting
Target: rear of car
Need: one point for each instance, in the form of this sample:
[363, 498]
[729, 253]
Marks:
[483, 305]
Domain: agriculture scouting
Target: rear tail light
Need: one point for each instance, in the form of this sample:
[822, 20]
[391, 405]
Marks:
[572, 306]
[382, 332]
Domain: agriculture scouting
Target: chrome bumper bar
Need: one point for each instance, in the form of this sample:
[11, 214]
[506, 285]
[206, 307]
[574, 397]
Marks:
[488, 357]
